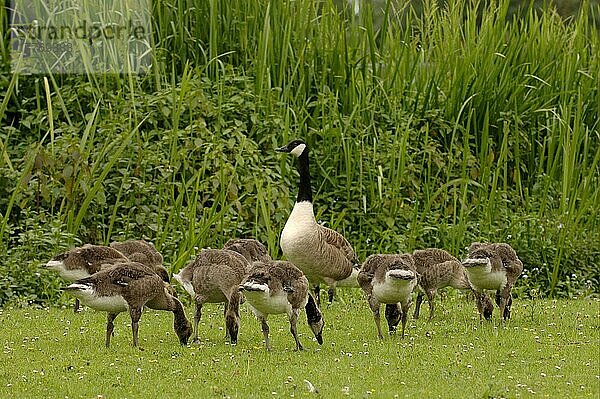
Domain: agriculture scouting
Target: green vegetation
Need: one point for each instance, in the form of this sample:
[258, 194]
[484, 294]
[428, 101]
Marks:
[548, 349]
[457, 127]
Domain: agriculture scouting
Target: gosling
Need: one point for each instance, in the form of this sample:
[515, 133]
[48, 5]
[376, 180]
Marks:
[130, 286]
[214, 277]
[82, 262]
[280, 287]
[437, 269]
[493, 267]
[144, 252]
[250, 248]
[389, 279]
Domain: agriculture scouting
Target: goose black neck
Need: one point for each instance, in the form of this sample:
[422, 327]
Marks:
[304, 190]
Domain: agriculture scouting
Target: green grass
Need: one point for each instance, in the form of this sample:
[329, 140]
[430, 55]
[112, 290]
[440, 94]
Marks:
[550, 348]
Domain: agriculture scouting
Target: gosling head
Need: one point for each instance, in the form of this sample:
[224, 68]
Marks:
[232, 323]
[184, 331]
[58, 262]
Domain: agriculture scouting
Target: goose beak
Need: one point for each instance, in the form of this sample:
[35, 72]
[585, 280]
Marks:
[282, 149]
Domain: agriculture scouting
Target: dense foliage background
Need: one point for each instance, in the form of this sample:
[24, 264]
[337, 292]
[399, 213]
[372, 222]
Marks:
[431, 127]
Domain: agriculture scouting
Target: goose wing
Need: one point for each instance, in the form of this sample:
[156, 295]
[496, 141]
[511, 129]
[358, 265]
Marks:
[427, 258]
[139, 251]
[339, 244]
[115, 277]
[250, 248]
[125, 273]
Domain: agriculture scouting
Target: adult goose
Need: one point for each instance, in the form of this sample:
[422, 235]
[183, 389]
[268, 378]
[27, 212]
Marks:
[130, 286]
[322, 254]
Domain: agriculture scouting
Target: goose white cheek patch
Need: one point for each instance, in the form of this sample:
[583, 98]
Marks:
[80, 287]
[298, 150]
[252, 286]
[55, 265]
[398, 273]
[186, 285]
[477, 262]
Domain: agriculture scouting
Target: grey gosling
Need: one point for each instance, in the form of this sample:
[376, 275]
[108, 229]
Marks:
[322, 254]
[129, 287]
[493, 267]
[437, 269]
[280, 287]
[250, 248]
[389, 279]
[144, 252]
[214, 277]
[84, 261]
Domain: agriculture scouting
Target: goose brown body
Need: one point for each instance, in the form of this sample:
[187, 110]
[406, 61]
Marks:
[437, 269]
[214, 277]
[250, 248]
[84, 261]
[280, 287]
[493, 266]
[81, 262]
[144, 252]
[130, 286]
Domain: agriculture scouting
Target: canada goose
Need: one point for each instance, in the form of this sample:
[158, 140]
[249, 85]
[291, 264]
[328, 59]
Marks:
[437, 269]
[280, 287]
[250, 248]
[130, 286]
[214, 277]
[144, 252]
[493, 267]
[84, 261]
[323, 254]
[389, 279]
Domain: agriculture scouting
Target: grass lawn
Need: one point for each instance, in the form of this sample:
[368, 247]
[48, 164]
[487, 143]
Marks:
[550, 348]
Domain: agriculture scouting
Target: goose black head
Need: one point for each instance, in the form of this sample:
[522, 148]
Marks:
[294, 147]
